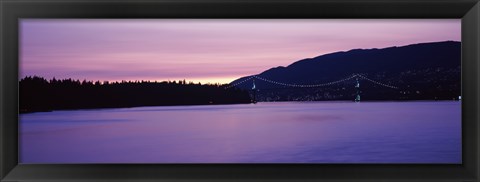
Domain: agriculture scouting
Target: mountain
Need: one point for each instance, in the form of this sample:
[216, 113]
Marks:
[425, 71]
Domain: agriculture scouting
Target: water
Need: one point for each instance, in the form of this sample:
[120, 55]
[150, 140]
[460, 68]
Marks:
[281, 132]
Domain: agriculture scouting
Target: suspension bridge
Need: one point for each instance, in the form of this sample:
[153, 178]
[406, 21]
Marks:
[357, 77]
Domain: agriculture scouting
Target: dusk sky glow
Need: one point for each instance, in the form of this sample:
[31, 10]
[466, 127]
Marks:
[202, 50]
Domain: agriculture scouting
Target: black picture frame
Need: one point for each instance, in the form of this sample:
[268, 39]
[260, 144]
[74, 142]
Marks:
[13, 10]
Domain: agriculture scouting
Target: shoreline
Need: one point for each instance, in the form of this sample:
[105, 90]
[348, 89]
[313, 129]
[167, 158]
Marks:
[211, 104]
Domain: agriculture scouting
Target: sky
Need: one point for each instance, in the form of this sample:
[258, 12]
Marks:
[203, 50]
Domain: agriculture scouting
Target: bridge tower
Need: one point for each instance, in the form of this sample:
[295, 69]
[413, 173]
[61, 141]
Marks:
[254, 90]
[357, 88]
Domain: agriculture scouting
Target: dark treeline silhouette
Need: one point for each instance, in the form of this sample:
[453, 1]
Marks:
[39, 94]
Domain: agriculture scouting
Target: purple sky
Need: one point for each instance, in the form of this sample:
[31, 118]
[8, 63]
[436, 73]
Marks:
[203, 50]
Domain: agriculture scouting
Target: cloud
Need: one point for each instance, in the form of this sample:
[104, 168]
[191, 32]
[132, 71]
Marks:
[163, 49]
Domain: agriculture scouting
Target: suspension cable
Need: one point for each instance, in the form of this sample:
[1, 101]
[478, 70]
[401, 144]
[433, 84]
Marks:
[310, 85]
[303, 85]
[238, 83]
[378, 83]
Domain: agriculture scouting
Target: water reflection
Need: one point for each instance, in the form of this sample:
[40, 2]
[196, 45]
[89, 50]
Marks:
[288, 132]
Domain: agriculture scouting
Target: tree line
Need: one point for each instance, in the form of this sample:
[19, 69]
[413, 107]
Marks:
[39, 94]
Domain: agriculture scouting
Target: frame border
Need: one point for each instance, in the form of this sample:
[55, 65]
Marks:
[13, 10]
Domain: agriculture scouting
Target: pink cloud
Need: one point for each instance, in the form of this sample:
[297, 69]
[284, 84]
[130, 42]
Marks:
[203, 49]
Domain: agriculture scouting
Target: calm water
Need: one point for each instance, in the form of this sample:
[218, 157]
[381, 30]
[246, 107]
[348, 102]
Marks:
[287, 132]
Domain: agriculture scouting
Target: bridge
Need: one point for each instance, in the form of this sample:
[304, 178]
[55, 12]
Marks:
[358, 77]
